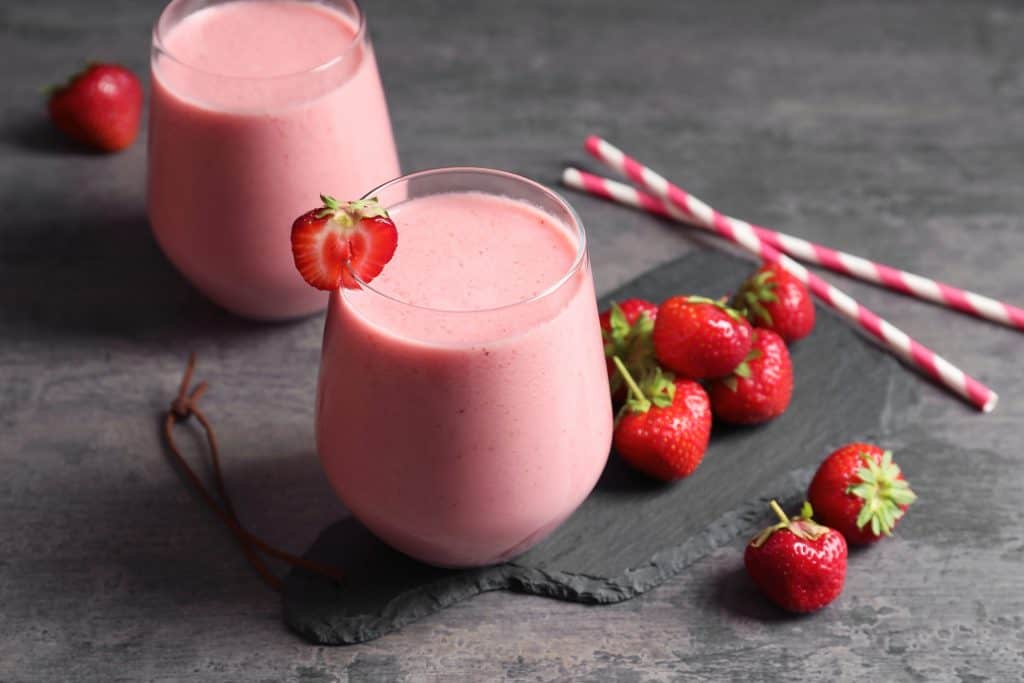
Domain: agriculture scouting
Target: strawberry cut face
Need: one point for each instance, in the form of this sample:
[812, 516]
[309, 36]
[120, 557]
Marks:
[371, 246]
[339, 244]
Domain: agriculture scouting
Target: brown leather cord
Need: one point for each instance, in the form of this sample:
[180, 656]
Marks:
[186, 405]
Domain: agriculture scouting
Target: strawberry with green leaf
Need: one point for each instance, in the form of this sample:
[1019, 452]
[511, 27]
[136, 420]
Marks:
[861, 492]
[664, 427]
[697, 337]
[626, 329]
[340, 243]
[798, 564]
[774, 299]
[760, 387]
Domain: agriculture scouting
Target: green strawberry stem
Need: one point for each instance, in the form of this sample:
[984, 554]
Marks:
[777, 509]
[348, 214]
[802, 527]
[756, 291]
[634, 388]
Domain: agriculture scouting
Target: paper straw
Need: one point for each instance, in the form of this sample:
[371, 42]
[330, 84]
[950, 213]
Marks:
[842, 262]
[742, 234]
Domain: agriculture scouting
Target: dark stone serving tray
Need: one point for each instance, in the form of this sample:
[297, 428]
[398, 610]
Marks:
[632, 533]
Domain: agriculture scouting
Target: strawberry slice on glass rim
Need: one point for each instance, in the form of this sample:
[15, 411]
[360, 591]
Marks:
[332, 242]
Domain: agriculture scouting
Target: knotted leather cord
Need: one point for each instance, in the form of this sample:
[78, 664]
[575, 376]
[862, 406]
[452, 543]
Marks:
[186, 405]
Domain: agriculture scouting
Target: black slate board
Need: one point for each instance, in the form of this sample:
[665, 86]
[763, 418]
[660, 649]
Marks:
[632, 533]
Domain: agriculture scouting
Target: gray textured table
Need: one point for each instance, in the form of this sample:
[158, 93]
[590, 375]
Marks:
[891, 129]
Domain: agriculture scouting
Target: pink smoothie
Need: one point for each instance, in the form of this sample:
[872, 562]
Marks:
[464, 437]
[258, 106]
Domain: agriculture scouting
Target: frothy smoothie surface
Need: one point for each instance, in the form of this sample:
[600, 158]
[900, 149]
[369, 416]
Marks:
[464, 251]
[260, 38]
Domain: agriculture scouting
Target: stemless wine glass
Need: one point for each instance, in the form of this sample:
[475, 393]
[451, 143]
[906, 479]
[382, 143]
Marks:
[464, 437]
[257, 107]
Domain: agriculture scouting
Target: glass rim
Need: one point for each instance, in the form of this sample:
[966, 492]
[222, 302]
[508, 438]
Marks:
[574, 267]
[357, 38]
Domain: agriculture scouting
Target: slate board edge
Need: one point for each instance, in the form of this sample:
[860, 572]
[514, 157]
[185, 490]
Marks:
[412, 606]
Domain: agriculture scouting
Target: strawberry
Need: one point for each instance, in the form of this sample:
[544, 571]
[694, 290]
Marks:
[99, 107]
[860, 491]
[760, 387]
[697, 337]
[626, 329]
[333, 242]
[799, 564]
[663, 429]
[620, 322]
[774, 299]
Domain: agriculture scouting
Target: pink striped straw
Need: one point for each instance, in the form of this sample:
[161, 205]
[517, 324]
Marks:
[742, 234]
[842, 262]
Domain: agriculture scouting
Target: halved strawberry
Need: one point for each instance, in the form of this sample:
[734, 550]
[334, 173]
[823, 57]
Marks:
[331, 241]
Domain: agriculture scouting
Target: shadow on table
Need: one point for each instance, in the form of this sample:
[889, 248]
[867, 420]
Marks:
[37, 134]
[167, 550]
[619, 478]
[735, 592]
[101, 276]
[76, 262]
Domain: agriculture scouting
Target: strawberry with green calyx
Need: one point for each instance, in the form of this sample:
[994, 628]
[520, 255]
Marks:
[760, 387]
[773, 298]
[664, 426]
[798, 564]
[332, 242]
[626, 330]
[861, 492]
[697, 337]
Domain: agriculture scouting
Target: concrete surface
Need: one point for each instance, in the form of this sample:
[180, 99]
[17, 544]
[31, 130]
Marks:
[888, 128]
